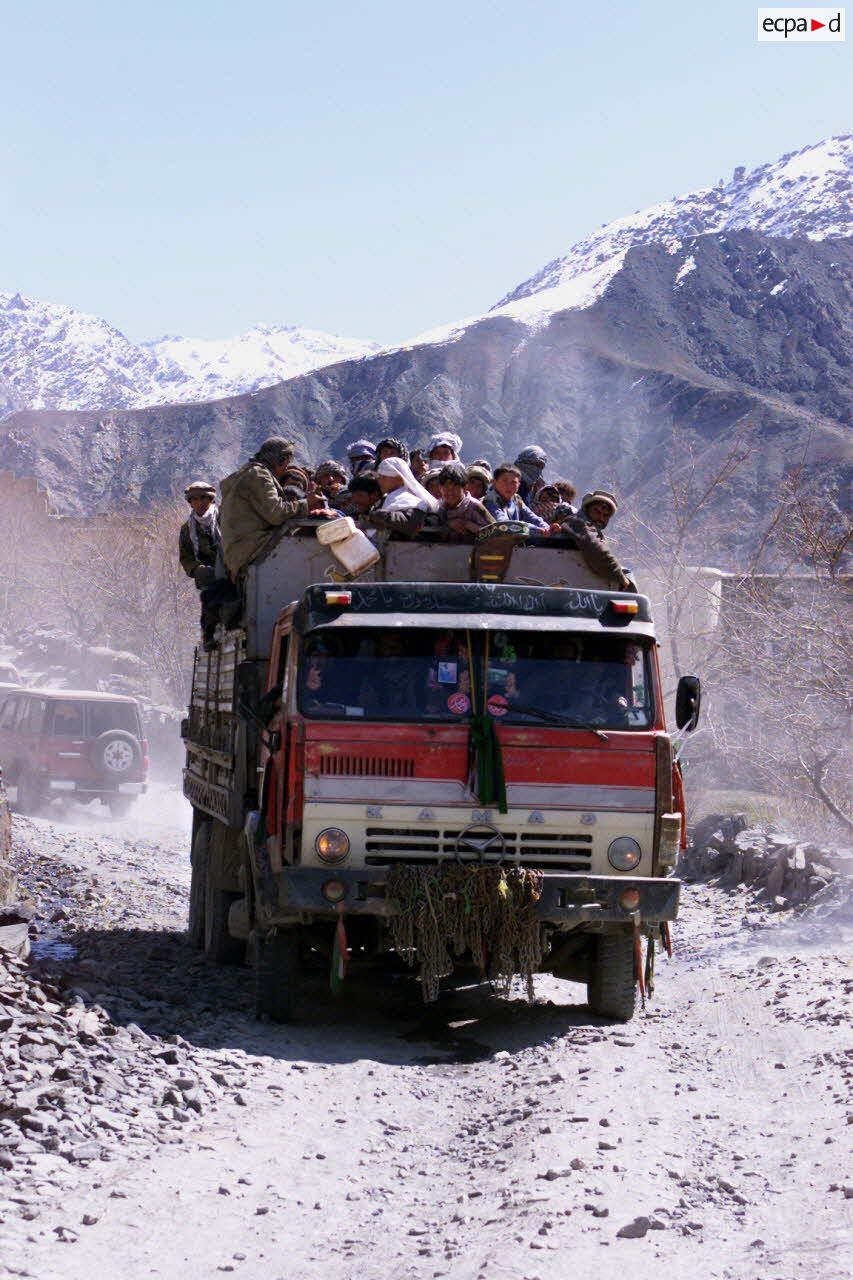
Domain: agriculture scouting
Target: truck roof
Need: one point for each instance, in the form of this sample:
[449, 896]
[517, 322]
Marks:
[471, 605]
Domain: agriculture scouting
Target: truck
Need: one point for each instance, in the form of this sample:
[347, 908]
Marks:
[430, 719]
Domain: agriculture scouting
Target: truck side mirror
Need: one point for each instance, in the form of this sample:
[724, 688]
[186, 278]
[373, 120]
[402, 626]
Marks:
[688, 700]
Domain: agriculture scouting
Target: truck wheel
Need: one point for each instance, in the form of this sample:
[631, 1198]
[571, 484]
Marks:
[219, 946]
[278, 972]
[611, 987]
[198, 882]
[30, 795]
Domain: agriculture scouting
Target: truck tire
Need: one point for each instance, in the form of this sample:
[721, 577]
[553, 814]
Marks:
[199, 858]
[219, 946]
[611, 987]
[277, 972]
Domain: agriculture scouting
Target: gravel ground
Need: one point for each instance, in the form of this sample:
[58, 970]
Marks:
[149, 1127]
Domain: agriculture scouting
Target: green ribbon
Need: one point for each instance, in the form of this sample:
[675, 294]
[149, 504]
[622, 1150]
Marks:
[486, 753]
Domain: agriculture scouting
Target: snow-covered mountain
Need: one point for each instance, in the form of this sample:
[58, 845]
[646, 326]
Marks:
[54, 357]
[215, 367]
[805, 193]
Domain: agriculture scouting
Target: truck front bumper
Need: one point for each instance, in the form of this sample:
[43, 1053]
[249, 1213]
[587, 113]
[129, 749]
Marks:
[567, 900]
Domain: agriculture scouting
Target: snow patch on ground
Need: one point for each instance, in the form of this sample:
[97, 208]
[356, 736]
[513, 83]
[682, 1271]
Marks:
[684, 270]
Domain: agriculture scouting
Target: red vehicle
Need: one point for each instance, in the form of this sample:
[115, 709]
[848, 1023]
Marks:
[355, 746]
[55, 742]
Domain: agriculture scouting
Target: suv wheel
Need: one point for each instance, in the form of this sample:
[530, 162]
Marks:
[115, 753]
[30, 794]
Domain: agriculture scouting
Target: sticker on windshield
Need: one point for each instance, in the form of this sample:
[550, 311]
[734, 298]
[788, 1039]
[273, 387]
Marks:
[458, 703]
[447, 672]
[497, 705]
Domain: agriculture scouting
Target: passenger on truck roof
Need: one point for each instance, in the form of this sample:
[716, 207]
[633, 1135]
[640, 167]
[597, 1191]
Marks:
[554, 501]
[531, 462]
[431, 482]
[254, 504]
[418, 464]
[504, 504]
[200, 554]
[362, 456]
[445, 446]
[330, 477]
[391, 448]
[477, 481]
[586, 529]
[405, 503]
[364, 493]
[458, 511]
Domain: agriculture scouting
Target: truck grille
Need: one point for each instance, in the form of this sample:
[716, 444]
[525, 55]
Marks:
[542, 849]
[366, 767]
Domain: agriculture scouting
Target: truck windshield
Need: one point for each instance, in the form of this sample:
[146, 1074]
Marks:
[582, 679]
[386, 673]
[545, 677]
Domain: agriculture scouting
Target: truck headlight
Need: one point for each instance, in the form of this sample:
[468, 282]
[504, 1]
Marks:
[624, 853]
[332, 845]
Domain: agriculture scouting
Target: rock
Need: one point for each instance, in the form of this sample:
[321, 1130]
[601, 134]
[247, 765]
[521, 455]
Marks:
[559, 1171]
[777, 876]
[634, 1230]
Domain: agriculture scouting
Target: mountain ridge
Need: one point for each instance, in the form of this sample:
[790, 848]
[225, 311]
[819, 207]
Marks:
[55, 357]
[691, 343]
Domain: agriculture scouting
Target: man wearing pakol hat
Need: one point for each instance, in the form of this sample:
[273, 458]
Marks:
[200, 554]
[254, 504]
[531, 463]
[362, 456]
[587, 530]
[330, 478]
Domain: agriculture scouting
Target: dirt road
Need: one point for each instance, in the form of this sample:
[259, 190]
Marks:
[485, 1138]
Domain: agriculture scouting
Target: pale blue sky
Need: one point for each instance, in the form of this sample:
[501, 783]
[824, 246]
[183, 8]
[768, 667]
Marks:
[369, 168]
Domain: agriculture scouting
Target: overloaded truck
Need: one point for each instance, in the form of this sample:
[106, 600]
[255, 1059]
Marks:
[460, 754]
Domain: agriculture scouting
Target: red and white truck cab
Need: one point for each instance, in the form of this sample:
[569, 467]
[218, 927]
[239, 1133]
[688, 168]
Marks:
[427, 722]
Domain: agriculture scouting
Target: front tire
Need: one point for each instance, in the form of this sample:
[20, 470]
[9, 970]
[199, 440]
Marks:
[611, 987]
[277, 966]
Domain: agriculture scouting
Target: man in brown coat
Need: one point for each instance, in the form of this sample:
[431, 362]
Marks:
[254, 504]
[199, 551]
[587, 530]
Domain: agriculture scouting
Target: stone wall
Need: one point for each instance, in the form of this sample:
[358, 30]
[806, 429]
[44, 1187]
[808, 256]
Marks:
[785, 871]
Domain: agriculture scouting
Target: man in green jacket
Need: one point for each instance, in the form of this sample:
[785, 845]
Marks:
[254, 504]
[587, 529]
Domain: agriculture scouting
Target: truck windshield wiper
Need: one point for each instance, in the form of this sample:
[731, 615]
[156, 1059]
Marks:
[551, 718]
